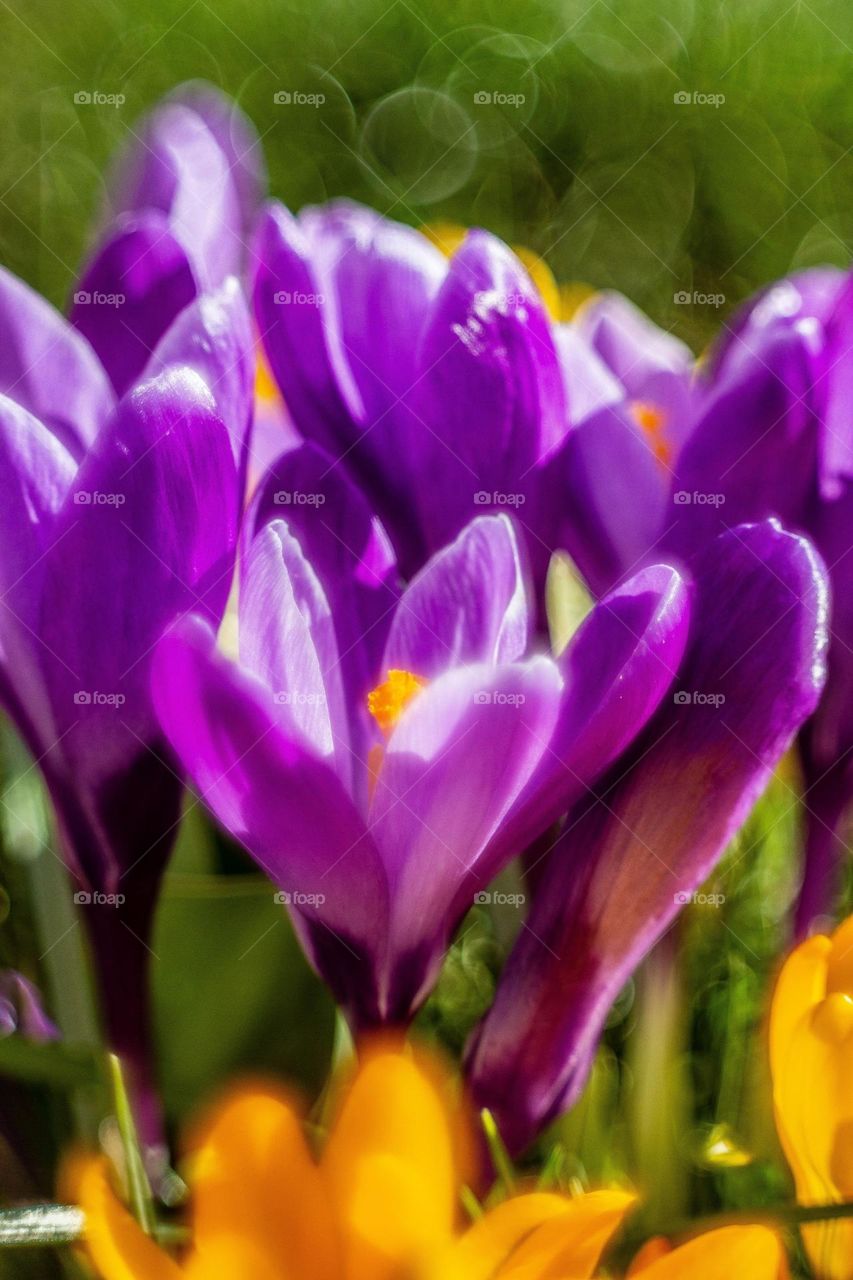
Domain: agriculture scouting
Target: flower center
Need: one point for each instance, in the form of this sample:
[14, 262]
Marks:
[651, 420]
[387, 702]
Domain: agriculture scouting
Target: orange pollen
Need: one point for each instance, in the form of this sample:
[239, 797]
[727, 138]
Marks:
[652, 422]
[388, 700]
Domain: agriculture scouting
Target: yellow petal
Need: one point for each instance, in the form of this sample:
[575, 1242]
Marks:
[753, 1253]
[542, 276]
[538, 1235]
[569, 1245]
[391, 1168]
[839, 976]
[235, 1258]
[652, 1250]
[118, 1247]
[253, 1177]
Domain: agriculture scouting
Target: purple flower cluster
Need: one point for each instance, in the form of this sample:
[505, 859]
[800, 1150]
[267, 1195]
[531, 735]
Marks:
[389, 730]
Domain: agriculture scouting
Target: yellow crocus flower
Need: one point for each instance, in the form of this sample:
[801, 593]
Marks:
[811, 1058]
[379, 1203]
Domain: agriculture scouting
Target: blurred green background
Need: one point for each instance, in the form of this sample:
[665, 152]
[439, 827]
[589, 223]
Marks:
[586, 150]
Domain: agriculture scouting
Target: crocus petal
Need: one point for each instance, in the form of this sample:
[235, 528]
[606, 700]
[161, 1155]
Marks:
[178, 168]
[237, 138]
[617, 668]
[590, 385]
[49, 368]
[492, 395]
[611, 497]
[254, 1179]
[152, 519]
[280, 800]
[469, 604]
[21, 1010]
[116, 1243]
[390, 1165]
[537, 1236]
[458, 759]
[626, 861]
[213, 336]
[138, 282]
[753, 1251]
[349, 551]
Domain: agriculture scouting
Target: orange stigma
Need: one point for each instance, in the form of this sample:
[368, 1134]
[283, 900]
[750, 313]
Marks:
[388, 700]
[652, 422]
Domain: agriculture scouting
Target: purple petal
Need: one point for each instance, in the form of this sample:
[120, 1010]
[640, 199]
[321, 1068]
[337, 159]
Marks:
[278, 799]
[456, 762]
[237, 138]
[468, 604]
[147, 533]
[138, 282]
[643, 357]
[611, 498]
[663, 819]
[21, 1011]
[48, 368]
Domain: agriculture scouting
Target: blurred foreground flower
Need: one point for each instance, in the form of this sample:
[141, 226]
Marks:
[381, 757]
[381, 1202]
[811, 1052]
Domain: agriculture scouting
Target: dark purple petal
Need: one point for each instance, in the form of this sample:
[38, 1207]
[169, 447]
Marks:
[147, 533]
[610, 497]
[662, 820]
[468, 604]
[138, 282]
[49, 368]
[490, 390]
[284, 803]
[457, 760]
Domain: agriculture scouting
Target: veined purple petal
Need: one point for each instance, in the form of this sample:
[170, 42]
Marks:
[50, 369]
[644, 357]
[491, 392]
[349, 551]
[285, 804]
[457, 760]
[665, 815]
[287, 640]
[237, 138]
[468, 604]
[21, 1011]
[138, 282]
[832, 394]
[590, 385]
[147, 533]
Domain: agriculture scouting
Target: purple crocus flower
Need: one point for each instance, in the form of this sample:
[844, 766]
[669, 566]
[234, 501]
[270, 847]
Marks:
[772, 436]
[180, 205]
[383, 755]
[117, 518]
[435, 384]
[638, 847]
